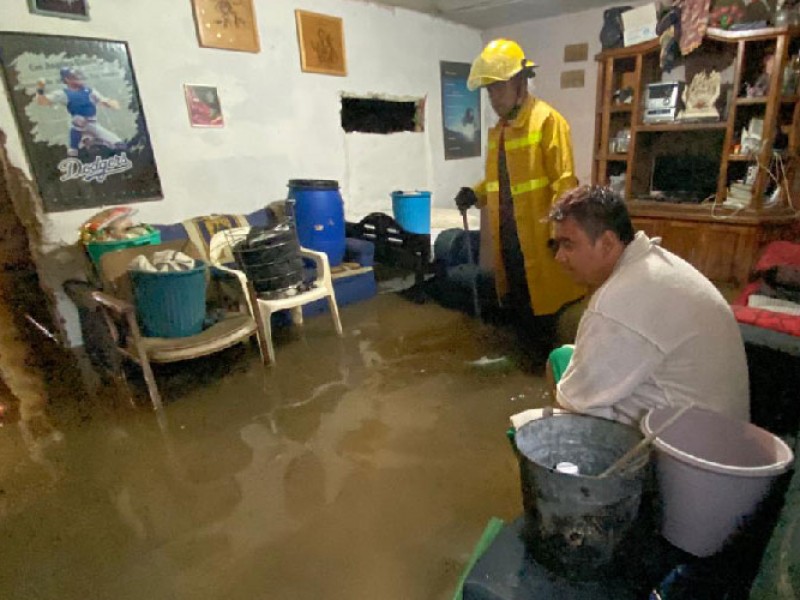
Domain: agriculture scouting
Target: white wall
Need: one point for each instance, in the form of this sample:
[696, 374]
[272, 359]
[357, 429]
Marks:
[543, 41]
[281, 123]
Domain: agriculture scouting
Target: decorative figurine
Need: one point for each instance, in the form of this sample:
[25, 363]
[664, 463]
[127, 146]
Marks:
[761, 86]
[700, 97]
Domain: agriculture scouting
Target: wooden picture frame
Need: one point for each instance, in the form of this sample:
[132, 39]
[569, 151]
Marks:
[202, 102]
[226, 24]
[321, 40]
[66, 9]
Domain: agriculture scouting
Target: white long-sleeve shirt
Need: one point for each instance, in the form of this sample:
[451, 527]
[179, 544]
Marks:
[656, 333]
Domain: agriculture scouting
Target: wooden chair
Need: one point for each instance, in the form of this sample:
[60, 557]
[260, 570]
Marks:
[116, 299]
[262, 308]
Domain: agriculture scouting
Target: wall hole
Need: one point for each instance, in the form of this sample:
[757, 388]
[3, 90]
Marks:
[375, 115]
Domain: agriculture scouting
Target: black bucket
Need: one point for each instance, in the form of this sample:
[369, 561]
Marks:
[574, 523]
[271, 258]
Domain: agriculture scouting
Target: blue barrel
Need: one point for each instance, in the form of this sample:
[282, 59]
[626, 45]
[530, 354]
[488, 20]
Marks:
[318, 212]
[170, 304]
[412, 211]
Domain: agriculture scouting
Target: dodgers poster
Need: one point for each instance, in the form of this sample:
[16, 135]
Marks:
[80, 118]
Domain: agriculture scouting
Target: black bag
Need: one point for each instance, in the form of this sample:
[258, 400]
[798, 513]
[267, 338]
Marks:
[611, 33]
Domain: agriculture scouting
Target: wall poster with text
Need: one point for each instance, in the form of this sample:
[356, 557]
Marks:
[461, 112]
[78, 110]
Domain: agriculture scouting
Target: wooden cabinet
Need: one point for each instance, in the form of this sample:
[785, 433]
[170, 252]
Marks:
[708, 223]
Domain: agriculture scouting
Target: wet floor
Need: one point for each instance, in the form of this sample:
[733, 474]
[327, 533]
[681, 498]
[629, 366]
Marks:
[357, 468]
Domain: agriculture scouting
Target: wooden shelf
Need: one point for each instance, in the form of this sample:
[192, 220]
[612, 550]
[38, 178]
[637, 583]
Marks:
[706, 212]
[721, 242]
[681, 126]
[743, 101]
[764, 33]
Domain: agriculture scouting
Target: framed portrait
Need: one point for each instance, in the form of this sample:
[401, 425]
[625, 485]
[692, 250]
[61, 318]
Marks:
[202, 102]
[321, 40]
[461, 112]
[226, 24]
[68, 9]
[80, 118]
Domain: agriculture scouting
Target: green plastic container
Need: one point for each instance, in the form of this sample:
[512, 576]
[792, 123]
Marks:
[97, 249]
[170, 304]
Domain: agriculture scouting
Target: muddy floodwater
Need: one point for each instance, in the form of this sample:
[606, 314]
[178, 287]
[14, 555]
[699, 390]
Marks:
[357, 468]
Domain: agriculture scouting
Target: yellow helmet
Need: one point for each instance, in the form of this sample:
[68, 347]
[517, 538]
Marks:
[499, 61]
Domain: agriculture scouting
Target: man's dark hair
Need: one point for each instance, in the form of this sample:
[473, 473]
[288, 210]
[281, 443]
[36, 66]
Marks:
[596, 209]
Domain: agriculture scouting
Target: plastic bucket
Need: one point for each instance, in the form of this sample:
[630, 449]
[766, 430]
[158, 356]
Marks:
[270, 258]
[170, 304]
[574, 523]
[412, 211]
[318, 212]
[712, 473]
[97, 249]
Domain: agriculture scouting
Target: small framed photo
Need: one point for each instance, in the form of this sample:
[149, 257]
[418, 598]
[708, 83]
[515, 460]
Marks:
[226, 24]
[68, 9]
[321, 40]
[203, 104]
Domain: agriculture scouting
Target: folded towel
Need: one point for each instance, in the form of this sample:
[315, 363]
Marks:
[773, 304]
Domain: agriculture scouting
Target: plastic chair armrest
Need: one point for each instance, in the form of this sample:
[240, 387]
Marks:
[321, 260]
[240, 277]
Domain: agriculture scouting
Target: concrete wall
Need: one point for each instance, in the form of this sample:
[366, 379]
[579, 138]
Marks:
[281, 123]
[543, 41]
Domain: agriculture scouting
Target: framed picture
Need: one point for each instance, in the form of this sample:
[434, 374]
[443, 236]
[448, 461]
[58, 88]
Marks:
[226, 24]
[77, 107]
[69, 9]
[321, 40]
[461, 112]
[203, 104]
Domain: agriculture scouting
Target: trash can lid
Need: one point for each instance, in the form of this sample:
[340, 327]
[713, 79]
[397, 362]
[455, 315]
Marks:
[328, 184]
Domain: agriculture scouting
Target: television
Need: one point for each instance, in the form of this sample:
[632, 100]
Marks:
[684, 177]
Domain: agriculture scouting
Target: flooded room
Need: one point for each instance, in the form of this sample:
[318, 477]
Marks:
[407, 299]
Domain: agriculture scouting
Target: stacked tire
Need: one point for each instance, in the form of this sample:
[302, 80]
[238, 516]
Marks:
[271, 258]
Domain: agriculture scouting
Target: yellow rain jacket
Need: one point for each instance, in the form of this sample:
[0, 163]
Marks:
[540, 168]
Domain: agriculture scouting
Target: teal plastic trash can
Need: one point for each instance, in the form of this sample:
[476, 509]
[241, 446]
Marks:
[170, 304]
[412, 211]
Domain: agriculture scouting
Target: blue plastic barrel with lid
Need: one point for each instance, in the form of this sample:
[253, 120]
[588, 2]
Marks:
[318, 211]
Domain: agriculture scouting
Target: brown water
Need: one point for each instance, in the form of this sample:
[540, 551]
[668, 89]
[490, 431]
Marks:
[356, 468]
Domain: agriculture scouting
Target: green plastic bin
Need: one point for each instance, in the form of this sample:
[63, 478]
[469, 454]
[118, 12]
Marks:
[170, 304]
[97, 249]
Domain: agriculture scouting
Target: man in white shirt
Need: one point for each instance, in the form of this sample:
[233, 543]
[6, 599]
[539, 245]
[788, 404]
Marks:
[656, 331]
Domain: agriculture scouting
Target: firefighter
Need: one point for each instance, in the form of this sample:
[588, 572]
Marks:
[529, 165]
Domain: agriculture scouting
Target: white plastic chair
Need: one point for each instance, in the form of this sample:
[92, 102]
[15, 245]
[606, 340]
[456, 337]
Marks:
[221, 256]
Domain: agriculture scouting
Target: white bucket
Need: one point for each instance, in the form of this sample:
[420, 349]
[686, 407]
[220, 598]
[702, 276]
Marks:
[712, 473]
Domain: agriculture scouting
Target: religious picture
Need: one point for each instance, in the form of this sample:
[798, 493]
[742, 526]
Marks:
[321, 40]
[77, 107]
[68, 9]
[203, 104]
[461, 112]
[226, 24]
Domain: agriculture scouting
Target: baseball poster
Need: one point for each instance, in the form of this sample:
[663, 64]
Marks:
[81, 121]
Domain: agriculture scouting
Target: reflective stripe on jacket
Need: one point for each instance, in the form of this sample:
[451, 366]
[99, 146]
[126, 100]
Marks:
[540, 167]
